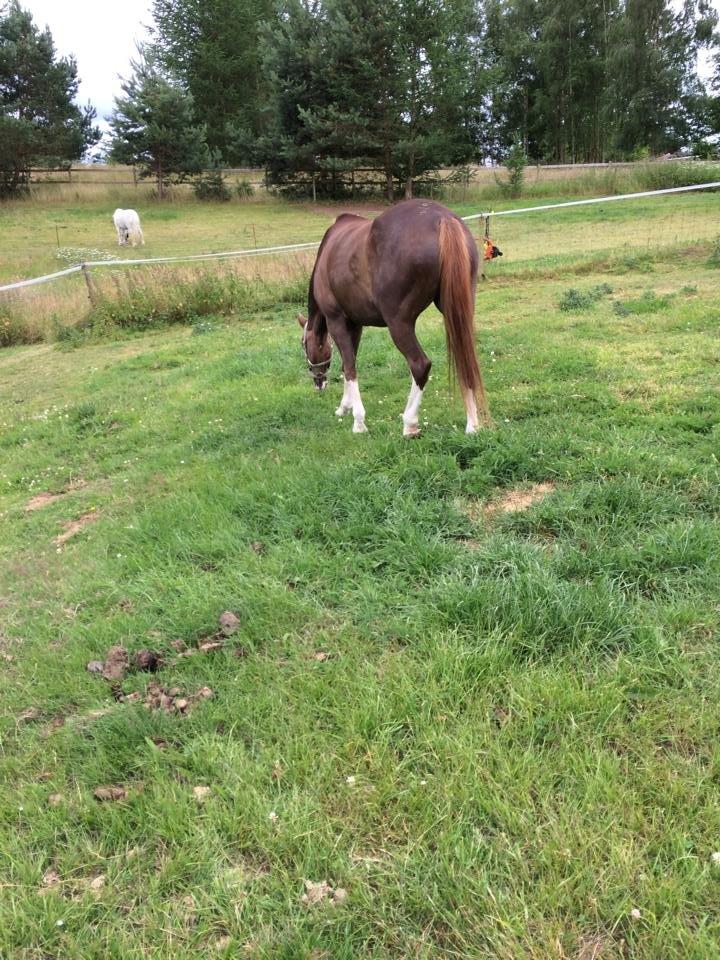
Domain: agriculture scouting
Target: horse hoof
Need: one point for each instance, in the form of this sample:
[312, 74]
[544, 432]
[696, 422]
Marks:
[340, 412]
[359, 428]
[411, 432]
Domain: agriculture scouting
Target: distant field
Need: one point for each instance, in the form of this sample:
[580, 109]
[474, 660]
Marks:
[38, 239]
[473, 685]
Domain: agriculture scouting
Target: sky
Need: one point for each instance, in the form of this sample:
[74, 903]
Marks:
[101, 35]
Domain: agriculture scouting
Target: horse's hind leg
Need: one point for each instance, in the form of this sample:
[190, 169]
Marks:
[404, 338]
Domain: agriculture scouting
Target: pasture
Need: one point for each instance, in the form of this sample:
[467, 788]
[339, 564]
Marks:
[472, 685]
[40, 239]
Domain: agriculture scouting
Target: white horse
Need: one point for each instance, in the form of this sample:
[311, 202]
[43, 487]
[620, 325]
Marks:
[127, 224]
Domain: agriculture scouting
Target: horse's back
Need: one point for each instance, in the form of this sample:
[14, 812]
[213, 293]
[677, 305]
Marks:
[366, 270]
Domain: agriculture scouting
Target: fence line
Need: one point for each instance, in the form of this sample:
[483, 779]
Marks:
[581, 203]
[288, 248]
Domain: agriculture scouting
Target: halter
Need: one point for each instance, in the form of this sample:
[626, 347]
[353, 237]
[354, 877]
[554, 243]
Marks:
[323, 366]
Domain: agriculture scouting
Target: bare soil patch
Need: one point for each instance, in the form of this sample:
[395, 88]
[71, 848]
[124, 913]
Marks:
[45, 498]
[41, 500]
[73, 527]
[511, 501]
[515, 501]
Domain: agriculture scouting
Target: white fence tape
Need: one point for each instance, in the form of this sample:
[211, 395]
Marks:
[45, 279]
[582, 203]
[250, 252]
[289, 248]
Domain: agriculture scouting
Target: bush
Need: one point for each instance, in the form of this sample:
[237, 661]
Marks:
[244, 189]
[574, 299]
[515, 164]
[212, 186]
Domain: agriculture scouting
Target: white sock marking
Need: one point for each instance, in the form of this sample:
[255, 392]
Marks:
[412, 409]
[471, 408]
[346, 402]
[356, 405]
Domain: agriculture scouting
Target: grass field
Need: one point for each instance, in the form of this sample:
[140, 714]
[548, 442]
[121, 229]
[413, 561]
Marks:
[492, 732]
[41, 239]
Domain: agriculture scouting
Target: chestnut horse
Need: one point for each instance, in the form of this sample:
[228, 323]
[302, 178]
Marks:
[384, 273]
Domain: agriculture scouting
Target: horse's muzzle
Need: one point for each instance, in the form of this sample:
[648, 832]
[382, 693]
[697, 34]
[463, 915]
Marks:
[320, 382]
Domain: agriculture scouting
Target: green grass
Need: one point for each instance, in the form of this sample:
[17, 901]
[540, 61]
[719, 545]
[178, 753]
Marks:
[527, 701]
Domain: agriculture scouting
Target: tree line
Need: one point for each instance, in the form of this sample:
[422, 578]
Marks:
[331, 96]
[319, 90]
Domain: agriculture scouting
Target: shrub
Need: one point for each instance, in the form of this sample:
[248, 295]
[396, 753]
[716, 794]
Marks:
[212, 186]
[574, 299]
[515, 164]
[244, 189]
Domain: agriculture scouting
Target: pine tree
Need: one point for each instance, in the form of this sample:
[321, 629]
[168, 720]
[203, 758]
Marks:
[39, 122]
[153, 127]
[213, 46]
[364, 83]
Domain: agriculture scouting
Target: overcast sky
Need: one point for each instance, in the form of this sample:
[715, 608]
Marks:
[101, 36]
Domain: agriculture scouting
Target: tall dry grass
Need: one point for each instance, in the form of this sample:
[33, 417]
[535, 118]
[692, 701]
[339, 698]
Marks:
[150, 296]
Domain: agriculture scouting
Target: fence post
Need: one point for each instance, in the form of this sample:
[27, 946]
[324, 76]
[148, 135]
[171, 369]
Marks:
[92, 292]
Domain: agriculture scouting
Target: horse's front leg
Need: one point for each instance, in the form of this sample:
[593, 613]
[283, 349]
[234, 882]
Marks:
[347, 339]
[346, 402]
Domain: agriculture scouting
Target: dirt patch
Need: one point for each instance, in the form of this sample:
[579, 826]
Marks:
[510, 501]
[73, 527]
[362, 208]
[41, 500]
[515, 501]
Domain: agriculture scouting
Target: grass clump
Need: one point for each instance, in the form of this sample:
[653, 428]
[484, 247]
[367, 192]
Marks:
[244, 189]
[649, 302]
[573, 299]
[15, 330]
[714, 259]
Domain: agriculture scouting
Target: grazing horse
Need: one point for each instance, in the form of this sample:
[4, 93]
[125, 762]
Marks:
[384, 273]
[127, 224]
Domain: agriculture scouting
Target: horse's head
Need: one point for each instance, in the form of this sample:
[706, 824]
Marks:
[318, 353]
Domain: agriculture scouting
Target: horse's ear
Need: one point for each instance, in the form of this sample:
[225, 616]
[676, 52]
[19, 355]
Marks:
[301, 320]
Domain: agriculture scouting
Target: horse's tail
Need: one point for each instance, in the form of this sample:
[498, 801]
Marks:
[457, 302]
